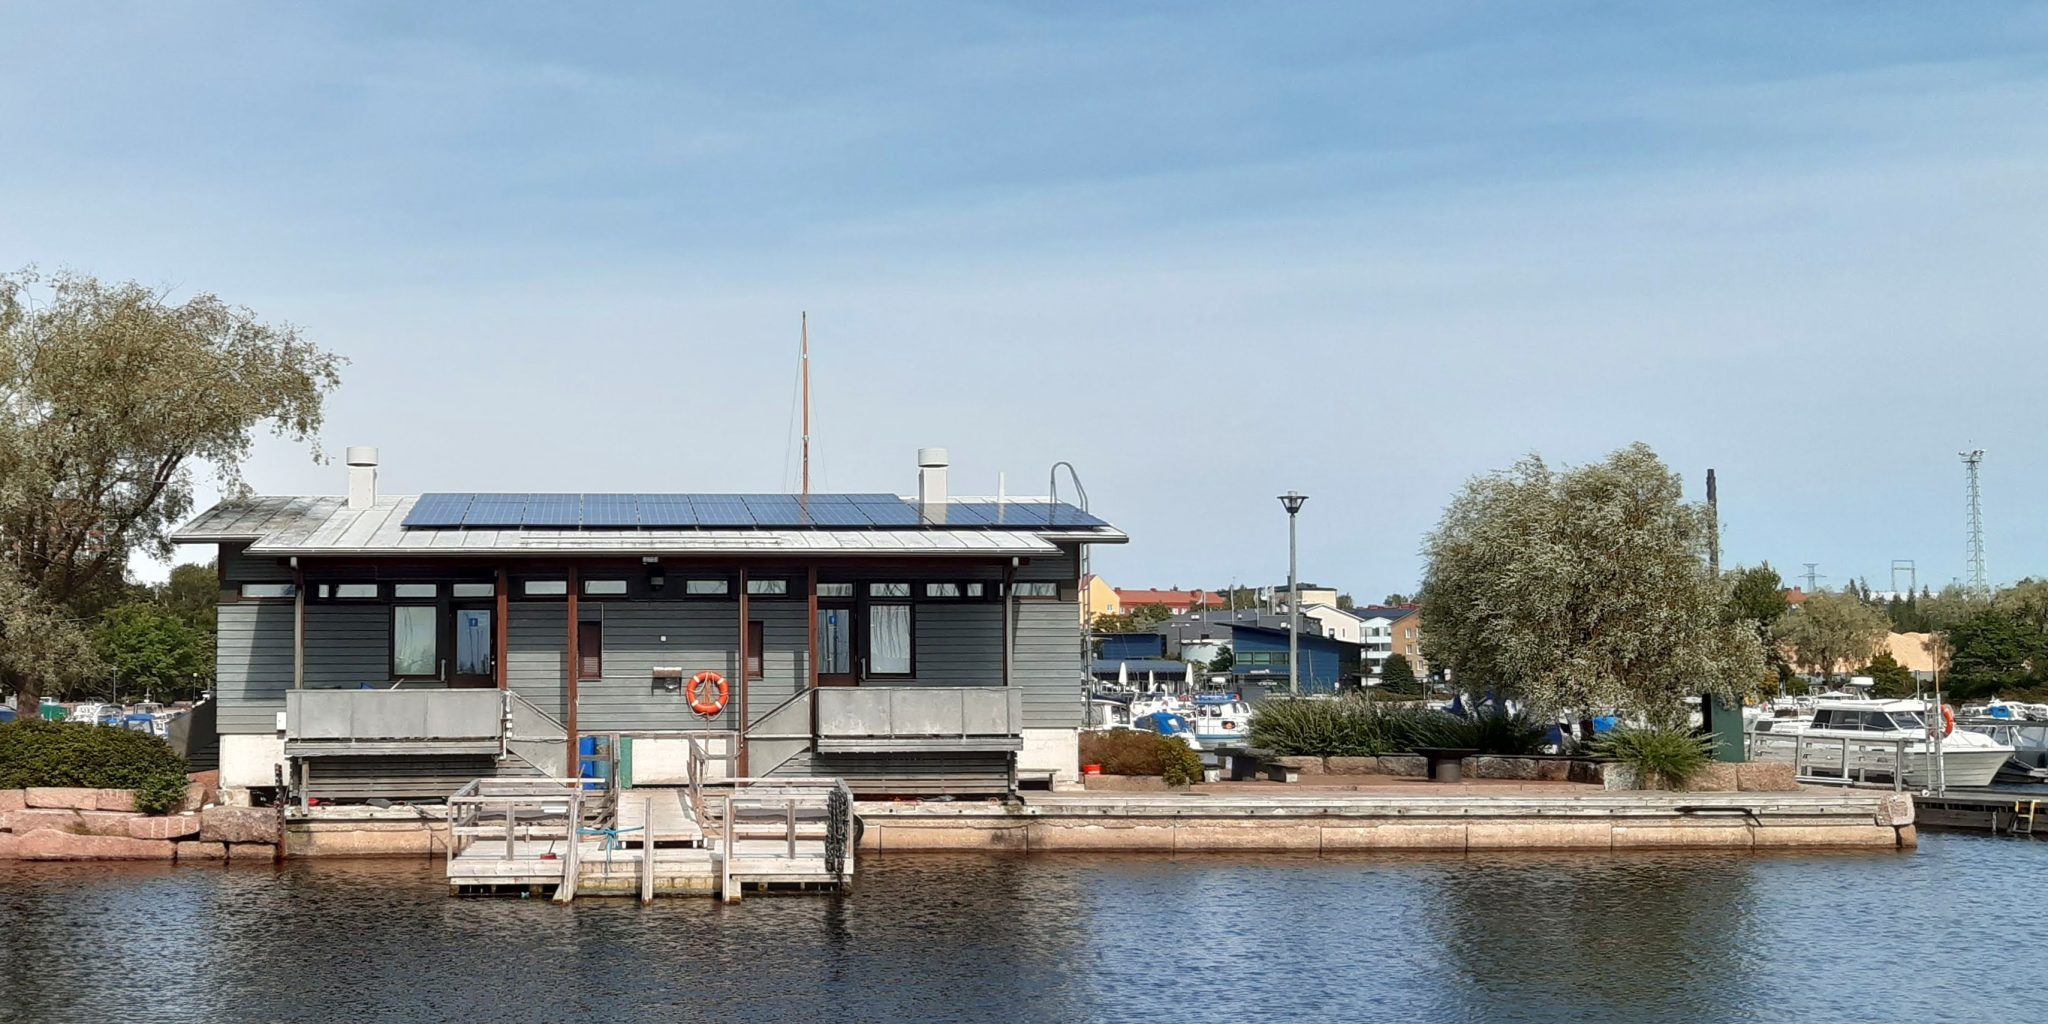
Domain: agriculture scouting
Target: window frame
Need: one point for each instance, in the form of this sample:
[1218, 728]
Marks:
[526, 586]
[787, 585]
[282, 591]
[455, 590]
[867, 638]
[757, 641]
[841, 591]
[624, 587]
[391, 644]
[589, 616]
[398, 591]
[1018, 590]
[689, 592]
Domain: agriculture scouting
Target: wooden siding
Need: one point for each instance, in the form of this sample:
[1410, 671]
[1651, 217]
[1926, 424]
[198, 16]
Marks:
[876, 774]
[537, 643]
[254, 664]
[237, 568]
[1048, 662]
[431, 778]
[702, 635]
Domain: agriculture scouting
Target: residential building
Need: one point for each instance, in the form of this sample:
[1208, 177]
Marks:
[1117, 646]
[1176, 601]
[1338, 623]
[1210, 630]
[379, 646]
[1389, 629]
[1098, 598]
[1311, 594]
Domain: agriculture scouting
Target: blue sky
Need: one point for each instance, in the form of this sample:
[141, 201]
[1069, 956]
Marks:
[1207, 252]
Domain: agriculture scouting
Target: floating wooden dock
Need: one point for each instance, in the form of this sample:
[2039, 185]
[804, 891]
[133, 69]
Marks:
[721, 839]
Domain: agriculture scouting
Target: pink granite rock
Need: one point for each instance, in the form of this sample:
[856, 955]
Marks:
[9, 844]
[113, 799]
[50, 844]
[240, 825]
[62, 797]
[13, 799]
[176, 826]
[201, 851]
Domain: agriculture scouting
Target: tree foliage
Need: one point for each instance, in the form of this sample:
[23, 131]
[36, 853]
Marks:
[1994, 650]
[1889, 678]
[110, 398]
[1583, 588]
[1224, 660]
[1138, 619]
[1398, 676]
[150, 649]
[1829, 633]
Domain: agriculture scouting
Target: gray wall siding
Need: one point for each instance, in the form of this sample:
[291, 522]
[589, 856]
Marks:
[959, 645]
[419, 777]
[537, 644]
[702, 635]
[238, 568]
[346, 646]
[874, 774]
[785, 668]
[254, 667]
[1047, 664]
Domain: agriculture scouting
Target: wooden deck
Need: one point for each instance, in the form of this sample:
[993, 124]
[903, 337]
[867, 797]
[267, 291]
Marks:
[649, 842]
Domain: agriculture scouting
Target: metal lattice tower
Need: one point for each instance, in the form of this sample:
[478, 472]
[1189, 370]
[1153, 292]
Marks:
[1813, 576]
[1912, 572]
[1974, 575]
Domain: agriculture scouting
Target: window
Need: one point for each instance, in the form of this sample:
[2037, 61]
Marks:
[604, 588]
[475, 589]
[835, 590]
[268, 590]
[348, 591]
[768, 588]
[1037, 590]
[835, 641]
[705, 588]
[757, 639]
[942, 590]
[590, 642]
[889, 639]
[888, 590]
[975, 589]
[415, 590]
[415, 648]
[545, 588]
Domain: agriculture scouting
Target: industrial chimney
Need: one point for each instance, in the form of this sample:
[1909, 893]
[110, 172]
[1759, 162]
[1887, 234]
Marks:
[931, 484]
[362, 477]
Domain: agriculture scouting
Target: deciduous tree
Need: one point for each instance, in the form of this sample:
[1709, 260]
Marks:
[1583, 588]
[1830, 632]
[149, 648]
[1398, 676]
[111, 397]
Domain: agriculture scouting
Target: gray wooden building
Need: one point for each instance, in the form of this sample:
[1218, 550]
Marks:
[399, 647]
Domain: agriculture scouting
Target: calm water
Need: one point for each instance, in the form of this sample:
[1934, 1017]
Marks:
[1524, 937]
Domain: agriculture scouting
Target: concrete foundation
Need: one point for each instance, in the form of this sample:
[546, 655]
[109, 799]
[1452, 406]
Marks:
[250, 761]
[1343, 822]
[1051, 750]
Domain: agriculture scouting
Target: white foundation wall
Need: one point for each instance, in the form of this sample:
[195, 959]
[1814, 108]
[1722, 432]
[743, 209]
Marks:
[247, 761]
[1054, 750]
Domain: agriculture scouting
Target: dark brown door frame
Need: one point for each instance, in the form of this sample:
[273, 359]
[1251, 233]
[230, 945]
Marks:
[575, 670]
[740, 684]
[503, 629]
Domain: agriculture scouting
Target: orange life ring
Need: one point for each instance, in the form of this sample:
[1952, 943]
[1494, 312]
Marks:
[707, 705]
[1948, 722]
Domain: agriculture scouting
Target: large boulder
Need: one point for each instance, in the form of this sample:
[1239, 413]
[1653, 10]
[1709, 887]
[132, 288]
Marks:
[13, 799]
[240, 825]
[113, 799]
[177, 826]
[51, 844]
[1767, 777]
[1715, 778]
[92, 822]
[1352, 765]
[9, 845]
[62, 797]
[1408, 766]
[1488, 766]
[1304, 765]
[201, 851]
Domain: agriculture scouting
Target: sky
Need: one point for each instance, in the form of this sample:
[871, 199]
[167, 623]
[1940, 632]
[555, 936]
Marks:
[1206, 252]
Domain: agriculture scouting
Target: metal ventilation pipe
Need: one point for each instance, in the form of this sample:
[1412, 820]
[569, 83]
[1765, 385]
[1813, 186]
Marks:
[931, 484]
[362, 477]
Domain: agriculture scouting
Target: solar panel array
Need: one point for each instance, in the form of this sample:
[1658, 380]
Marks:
[629, 511]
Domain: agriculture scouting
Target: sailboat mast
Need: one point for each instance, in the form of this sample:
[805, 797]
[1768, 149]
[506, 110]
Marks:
[806, 359]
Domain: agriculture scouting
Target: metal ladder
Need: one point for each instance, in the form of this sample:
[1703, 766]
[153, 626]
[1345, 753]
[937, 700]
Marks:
[2023, 817]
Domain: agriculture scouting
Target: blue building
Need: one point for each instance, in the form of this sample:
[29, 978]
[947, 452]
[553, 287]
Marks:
[1261, 657]
[1124, 646]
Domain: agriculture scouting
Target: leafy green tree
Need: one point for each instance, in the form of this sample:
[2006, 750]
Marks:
[151, 649]
[1991, 651]
[1345, 603]
[1398, 676]
[1223, 661]
[1889, 678]
[1757, 595]
[1830, 632]
[1145, 616]
[111, 398]
[1394, 600]
[192, 594]
[39, 640]
[1583, 588]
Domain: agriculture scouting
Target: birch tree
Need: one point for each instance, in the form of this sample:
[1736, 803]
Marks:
[111, 400]
[1583, 588]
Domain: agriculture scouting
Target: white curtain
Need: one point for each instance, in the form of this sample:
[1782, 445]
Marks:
[412, 641]
[473, 643]
[889, 639]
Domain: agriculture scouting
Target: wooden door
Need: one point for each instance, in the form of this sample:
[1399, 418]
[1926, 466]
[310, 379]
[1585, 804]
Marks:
[836, 631]
[476, 648]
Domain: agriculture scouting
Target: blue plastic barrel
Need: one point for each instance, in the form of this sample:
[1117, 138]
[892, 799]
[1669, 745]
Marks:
[589, 765]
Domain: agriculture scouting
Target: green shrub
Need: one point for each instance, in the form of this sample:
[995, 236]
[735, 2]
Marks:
[1369, 726]
[1662, 758]
[1137, 752]
[36, 753]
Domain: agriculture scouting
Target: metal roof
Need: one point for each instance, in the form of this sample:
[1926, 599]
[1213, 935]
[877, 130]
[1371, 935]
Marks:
[283, 526]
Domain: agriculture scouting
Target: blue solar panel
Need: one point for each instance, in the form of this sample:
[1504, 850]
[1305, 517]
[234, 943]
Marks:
[1063, 514]
[665, 510]
[553, 510]
[444, 510]
[774, 509]
[612, 510]
[1021, 514]
[895, 512]
[496, 510]
[838, 513]
[966, 514]
[721, 510]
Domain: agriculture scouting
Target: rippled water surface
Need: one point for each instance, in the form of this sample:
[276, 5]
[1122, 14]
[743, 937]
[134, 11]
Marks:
[1519, 937]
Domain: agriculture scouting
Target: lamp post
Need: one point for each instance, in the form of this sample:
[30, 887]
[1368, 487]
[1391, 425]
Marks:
[1293, 501]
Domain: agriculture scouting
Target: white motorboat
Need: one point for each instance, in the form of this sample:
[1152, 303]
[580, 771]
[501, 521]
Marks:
[1854, 736]
[2029, 741]
[1219, 718]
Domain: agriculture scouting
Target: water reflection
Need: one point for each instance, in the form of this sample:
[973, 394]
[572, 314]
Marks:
[1658, 937]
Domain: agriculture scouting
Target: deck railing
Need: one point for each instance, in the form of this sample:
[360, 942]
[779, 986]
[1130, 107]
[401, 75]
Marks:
[881, 719]
[509, 810]
[1836, 758]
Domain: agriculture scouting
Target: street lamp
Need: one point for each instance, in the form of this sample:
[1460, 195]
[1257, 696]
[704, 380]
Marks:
[1293, 501]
